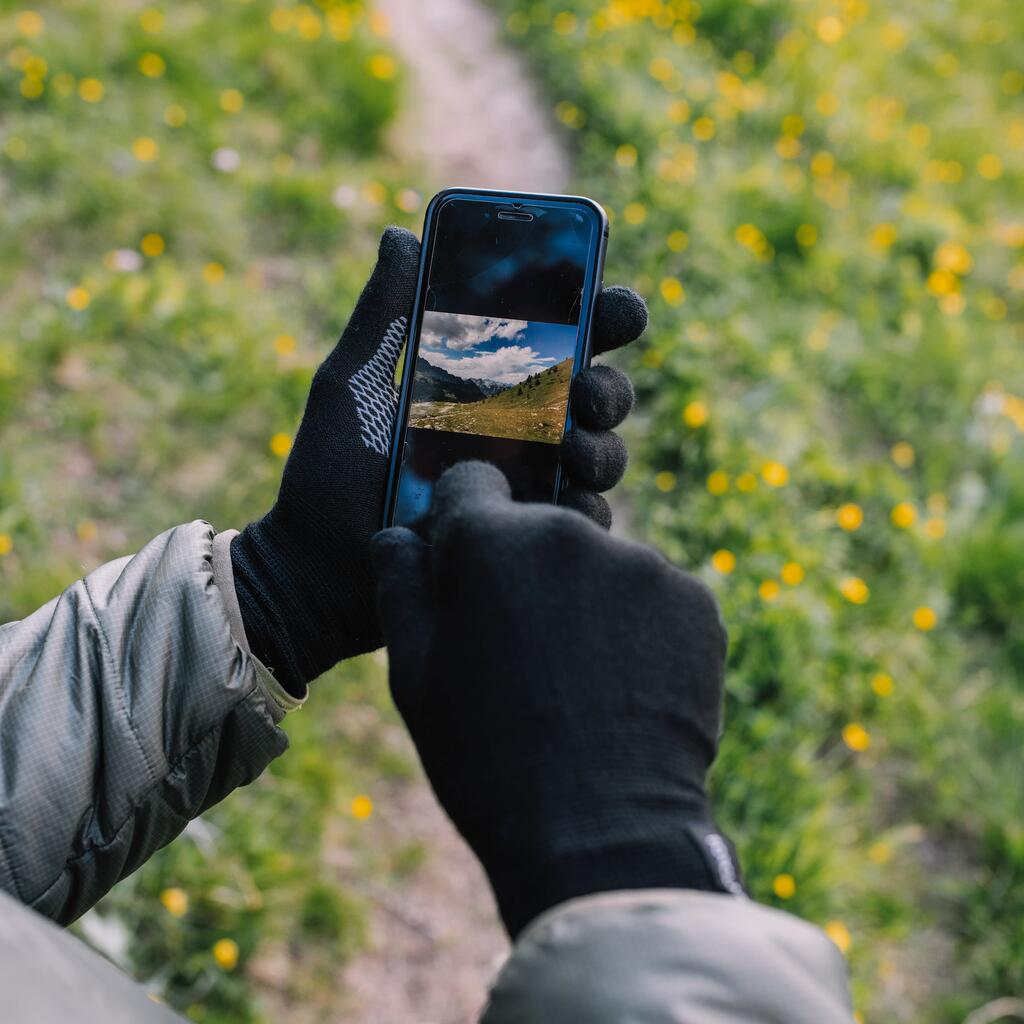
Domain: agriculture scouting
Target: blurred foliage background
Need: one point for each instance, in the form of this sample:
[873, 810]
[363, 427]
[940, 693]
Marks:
[822, 200]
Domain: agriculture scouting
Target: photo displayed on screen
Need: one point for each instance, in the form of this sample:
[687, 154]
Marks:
[491, 376]
[496, 348]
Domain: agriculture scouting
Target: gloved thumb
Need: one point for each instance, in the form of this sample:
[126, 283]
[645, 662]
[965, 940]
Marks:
[405, 605]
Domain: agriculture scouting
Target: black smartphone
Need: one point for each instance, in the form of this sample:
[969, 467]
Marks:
[508, 282]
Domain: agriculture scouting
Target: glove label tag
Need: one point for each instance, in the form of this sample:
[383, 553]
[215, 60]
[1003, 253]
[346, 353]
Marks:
[718, 857]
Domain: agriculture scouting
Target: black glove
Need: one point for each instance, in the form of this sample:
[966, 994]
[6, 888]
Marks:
[563, 688]
[302, 572]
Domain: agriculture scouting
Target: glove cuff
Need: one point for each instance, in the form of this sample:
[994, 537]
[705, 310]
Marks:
[698, 857]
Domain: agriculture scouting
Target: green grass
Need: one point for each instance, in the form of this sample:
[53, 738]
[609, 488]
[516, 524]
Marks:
[177, 257]
[823, 201]
[533, 410]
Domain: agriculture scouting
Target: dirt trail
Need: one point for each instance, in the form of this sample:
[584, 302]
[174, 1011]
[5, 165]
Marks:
[473, 117]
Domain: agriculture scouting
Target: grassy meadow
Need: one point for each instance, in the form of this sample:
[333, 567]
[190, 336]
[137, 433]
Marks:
[825, 203]
[192, 195]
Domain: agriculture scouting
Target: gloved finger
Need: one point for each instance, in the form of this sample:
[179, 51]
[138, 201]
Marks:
[405, 605]
[466, 493]
[592, 505]
[380, 319]
[601, 397]
[620, 317]
[594, 459]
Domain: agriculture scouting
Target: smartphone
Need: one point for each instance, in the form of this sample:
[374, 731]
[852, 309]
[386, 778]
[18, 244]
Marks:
[500, 326]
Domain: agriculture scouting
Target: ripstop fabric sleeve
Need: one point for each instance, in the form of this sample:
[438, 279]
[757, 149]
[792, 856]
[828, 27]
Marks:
[128, 706]
[670, 956]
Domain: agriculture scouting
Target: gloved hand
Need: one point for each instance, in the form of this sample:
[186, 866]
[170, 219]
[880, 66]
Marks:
[563, 688]
[302, 572]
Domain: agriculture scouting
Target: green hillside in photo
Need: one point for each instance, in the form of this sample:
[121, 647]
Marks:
[533, 410]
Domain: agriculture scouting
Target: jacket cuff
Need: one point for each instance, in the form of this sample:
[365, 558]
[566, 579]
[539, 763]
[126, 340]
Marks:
[672, 956]
[279, 700]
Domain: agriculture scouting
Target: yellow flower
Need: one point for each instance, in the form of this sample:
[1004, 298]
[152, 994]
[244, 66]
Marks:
[788, 148]
[679, 111]
[665, 481]
[784, 886]
[894, 36]
[953, 256]
[280, 445]
[362, 808]
[793, 125]
[225, 952]
[880, 852]
[677, 241]
[925, 618]
[855, 590]
[903, 515]
[175, 902]
[672, 290]
[718, 482]
[374, 193]
[87, 531]
[792, 573]
[78, 297]
[882, 684]
[660, 69]
[806, 235]
[695, 414]
[145, 149]
[902, 454]
[723, 561]
[635, 213]
[856, 737]
[990, 167]
[919, 135]
[850, 516]
[31, 87]
[830, 29]
[625, 155]
[942, 282]
[5, 544]
[952, 305]
[703, 129]
[564, 23]
[152, 65]
[152, 244]
[774, 474]
[30, 23]
[151, 20]
[284, 344]
[769, 590]
[883, 235]
[839, 934]
[91, 90]
[935, 528]
[827, 104]
[213, 273]
[175, 115]
[231, 101]
[382, 66]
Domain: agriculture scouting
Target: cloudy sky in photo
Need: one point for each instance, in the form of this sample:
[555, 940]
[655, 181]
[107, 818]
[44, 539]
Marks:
[507, 351]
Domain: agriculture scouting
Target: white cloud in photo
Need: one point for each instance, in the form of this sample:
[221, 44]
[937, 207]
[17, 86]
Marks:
[508, 365]
[460, 332]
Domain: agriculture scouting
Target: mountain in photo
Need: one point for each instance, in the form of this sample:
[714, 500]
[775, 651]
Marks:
[435, 384]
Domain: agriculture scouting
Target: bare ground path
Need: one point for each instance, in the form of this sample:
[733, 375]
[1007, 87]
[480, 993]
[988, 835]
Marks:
[473, 117]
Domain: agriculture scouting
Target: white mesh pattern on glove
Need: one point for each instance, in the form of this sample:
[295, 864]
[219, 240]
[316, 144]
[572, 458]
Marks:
[373, 389]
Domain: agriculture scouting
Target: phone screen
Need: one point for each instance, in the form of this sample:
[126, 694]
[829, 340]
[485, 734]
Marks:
[499, 335]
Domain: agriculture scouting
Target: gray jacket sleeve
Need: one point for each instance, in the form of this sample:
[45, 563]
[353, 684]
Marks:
[667, 956]
[128, 705]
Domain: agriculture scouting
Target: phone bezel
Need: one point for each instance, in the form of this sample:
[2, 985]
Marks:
[591, 289]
